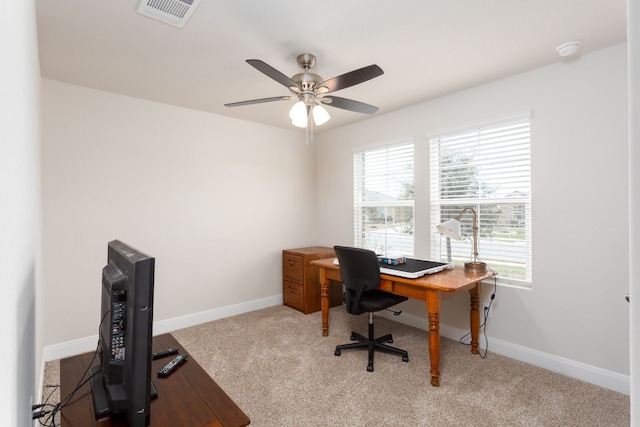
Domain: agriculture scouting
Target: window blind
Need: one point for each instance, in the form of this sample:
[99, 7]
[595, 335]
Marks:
[384, 199]
[486, 167]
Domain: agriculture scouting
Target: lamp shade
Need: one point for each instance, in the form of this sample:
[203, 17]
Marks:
[320, 115]
[450, 228]
[298, 114]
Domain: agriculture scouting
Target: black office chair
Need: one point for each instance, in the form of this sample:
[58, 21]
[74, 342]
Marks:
[360, 274]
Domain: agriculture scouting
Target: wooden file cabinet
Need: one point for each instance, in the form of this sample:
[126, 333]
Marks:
[300, 285]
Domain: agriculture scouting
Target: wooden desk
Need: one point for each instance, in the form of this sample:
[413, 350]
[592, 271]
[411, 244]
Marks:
[432, 288]
[188, 397]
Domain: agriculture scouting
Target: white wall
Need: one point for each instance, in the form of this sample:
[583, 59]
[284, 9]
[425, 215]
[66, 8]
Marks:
[214, 200]
[633, 20]
[575, 308]
[19, 93]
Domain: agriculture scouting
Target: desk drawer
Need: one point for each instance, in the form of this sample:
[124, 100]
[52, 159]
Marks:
[294, 295]
[300, 282]
[293, 267]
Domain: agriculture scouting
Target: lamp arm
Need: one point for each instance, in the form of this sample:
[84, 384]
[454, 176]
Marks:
[473, 211]
[474, 266]
[474, 228]
[475, 237]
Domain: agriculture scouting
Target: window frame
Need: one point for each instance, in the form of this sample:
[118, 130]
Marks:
[521, 200]
[360, 202]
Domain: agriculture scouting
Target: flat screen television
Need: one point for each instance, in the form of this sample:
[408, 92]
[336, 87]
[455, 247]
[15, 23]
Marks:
[121, 384]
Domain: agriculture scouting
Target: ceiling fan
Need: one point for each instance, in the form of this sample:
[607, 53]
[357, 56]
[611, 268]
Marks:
[312, 91]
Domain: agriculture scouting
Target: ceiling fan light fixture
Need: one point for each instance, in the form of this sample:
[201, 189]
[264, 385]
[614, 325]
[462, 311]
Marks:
[298, 114]
[299, 123]
[320, 115]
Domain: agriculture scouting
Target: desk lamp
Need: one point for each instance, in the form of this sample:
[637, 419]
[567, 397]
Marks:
[451, 229]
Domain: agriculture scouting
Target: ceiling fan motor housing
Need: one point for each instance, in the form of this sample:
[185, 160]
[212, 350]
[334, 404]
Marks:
[307, 81]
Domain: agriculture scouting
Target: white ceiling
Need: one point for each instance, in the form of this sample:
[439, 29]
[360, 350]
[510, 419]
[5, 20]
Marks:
[427, 48]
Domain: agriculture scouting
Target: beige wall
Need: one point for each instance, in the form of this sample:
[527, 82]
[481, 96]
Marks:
[215, 201]
[575, 308]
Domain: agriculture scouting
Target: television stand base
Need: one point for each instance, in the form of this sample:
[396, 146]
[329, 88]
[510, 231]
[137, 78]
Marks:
[189, 397]
[99, 394]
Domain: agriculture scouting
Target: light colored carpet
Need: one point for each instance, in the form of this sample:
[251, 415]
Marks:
[276, 365]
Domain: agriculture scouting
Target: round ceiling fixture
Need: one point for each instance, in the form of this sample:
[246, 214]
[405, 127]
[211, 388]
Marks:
[569, 48]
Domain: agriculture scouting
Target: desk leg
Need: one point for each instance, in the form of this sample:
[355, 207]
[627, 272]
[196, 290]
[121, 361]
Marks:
[433, 311]
[474, 314]
[324, 301]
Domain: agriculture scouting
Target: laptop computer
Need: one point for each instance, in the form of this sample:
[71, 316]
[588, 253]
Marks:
[412, 268]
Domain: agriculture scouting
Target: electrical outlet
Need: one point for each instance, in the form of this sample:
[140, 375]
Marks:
[486, 310]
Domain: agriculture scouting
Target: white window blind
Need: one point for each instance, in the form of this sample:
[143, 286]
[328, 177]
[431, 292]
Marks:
[488, 168]
[384, 199]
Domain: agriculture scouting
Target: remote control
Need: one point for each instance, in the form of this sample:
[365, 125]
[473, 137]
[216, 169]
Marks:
[164, 353]
[171, 366]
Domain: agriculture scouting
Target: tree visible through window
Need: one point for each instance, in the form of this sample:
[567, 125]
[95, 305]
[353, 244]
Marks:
[487, 168]
[384, 199]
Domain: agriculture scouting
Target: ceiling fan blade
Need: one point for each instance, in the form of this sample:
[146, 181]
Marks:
[349, 104]
[269, 71]
[259, 101]
[351, 78]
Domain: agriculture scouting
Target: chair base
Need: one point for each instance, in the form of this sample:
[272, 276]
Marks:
[372, 344]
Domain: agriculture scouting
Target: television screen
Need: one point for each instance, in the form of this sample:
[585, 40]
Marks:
[123, 386]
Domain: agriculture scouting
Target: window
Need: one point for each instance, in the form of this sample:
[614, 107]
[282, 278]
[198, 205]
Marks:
[383, 199]
[485, 167]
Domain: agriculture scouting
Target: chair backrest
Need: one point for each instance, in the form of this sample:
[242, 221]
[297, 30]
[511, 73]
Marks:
[359, 272]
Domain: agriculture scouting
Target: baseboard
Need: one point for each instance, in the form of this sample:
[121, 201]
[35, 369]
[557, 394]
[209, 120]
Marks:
[581, 371]
[601, 377]
[164, 326]
[83, 345]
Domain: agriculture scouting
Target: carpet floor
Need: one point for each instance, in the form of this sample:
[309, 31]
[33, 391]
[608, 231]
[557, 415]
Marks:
[276, 365]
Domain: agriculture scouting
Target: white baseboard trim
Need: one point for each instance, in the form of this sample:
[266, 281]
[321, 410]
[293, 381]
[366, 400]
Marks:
[164, 326]
[594, 375]
[581, 371]
[83, 345]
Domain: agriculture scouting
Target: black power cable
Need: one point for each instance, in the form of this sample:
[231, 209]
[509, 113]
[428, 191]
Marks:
[50, 415]
[485, 316]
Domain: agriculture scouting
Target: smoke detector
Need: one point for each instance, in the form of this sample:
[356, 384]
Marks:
[569, 48]
[172, 12]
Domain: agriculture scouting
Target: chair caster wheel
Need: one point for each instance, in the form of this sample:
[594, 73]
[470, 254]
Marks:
[405, 358]
[353, 337]
[369, 368]
[390, 341]
[337, 353]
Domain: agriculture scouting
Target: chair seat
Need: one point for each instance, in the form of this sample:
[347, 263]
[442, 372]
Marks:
[376, 300]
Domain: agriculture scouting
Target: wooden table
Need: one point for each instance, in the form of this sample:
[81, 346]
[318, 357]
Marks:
[431, 288]
[188, 397]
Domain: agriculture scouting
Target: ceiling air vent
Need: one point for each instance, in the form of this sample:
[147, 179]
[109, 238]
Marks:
[172, 12]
